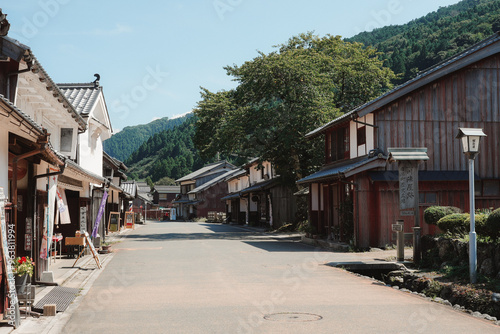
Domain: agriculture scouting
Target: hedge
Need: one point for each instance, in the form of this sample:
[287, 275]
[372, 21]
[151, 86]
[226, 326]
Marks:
[434, 213]
[455, 223]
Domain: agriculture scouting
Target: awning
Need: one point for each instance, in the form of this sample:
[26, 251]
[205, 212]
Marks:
[344, 170]
[230, 196]
[423, 175]
[259, 186]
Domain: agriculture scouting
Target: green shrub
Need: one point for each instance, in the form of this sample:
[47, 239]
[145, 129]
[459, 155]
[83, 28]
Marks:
[454, 224]
[433, 213]
[480, 223]
[492, 227]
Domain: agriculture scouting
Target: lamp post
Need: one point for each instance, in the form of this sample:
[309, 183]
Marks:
[470, 143]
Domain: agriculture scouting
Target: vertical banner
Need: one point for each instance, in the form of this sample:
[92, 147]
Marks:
[28, 234]
[43, 246]
[62, 206]
[100, 214]
[83, 219]
[48, 226]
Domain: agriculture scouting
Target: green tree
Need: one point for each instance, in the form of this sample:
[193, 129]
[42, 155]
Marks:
[150, 182]
[283, 95]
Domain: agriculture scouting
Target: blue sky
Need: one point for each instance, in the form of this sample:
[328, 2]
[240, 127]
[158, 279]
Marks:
[153, 56]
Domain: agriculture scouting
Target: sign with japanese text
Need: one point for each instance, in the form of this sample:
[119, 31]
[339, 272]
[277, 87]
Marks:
[408, 185]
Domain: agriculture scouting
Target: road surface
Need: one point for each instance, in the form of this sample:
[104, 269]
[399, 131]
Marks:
[175, 277]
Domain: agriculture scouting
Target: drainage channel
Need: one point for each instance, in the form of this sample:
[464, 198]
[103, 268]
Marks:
[375, 269]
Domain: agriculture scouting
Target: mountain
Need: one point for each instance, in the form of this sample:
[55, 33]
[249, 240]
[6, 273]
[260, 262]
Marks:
[421, 43]
[169, 155]
[122, 144]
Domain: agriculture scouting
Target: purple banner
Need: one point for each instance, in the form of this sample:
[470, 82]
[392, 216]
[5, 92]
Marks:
[99, 214]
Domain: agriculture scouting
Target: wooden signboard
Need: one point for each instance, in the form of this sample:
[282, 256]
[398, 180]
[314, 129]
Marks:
[114, 222]
[129, 220]
[90, 245]
[13, 314]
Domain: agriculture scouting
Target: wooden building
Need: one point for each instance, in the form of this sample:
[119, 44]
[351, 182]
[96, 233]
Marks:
[463, 91]
[184, 203]
[255, 196]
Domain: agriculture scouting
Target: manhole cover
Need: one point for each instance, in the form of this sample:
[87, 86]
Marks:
[292, 317]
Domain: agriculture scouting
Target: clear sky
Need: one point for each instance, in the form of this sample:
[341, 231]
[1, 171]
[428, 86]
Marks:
[153, 56]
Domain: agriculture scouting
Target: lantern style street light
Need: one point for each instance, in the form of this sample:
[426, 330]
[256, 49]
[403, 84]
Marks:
[470, 143]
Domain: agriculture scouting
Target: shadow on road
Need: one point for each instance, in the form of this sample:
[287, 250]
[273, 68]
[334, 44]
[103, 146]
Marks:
[226, 232]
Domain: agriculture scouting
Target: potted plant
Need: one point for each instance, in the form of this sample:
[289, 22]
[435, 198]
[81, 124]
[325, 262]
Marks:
[22, 268]
[105, 248]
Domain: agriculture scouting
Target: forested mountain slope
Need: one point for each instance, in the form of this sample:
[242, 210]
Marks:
[421, 43]
[122, 144]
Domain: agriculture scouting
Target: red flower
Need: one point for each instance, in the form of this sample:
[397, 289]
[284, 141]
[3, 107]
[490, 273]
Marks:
[19, 261]
[23, 259]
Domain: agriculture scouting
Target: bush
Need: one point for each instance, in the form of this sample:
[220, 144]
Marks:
[480, 222]
[492, 227]
[455, 224]
[434, 213]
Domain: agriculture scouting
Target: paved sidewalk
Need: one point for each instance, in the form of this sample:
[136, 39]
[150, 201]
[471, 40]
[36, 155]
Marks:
[67, 273]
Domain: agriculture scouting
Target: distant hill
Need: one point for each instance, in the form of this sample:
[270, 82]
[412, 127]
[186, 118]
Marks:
[169, 154]
[421, 43]
[122, 144]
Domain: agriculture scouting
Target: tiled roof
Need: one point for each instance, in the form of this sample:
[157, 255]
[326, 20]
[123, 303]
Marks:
[205, 169]
[82, 96]
[168, 189]
[343, 170]
[130, 187]
[212, 182]
[259, 186]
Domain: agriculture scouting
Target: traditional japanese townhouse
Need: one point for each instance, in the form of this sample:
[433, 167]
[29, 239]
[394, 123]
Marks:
[31, 89]
[114, 171]
[23, 145]
[140, 199]
[236, 206]
[185, 206]
[355, 194]
[207, 197]
[265, 200]
[164, 195]
[88, 101]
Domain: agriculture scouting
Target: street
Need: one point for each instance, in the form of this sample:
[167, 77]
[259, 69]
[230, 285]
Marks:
[175, 277]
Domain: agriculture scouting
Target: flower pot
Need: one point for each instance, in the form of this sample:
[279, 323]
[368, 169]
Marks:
[21, 282]
[105, 249]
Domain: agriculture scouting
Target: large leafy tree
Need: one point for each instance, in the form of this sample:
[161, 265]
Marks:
[285, 94]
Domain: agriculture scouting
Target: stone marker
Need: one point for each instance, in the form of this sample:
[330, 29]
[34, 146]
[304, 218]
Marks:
[49, 310]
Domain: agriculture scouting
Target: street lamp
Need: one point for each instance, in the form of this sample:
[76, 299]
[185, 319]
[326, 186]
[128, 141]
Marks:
[470, 144]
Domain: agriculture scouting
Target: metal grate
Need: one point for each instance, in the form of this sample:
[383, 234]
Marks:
[60, 296]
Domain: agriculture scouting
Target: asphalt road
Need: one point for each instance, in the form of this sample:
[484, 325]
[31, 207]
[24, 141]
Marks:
[171, 277]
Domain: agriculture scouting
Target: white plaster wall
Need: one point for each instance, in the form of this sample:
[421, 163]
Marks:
[243, 205]
[90, 158]
[353, 140]
[253, 205]
[370, 133]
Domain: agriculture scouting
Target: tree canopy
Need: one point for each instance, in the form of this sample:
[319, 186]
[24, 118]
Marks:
[283, 95]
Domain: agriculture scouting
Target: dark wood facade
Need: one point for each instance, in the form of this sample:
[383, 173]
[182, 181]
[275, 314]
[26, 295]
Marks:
[463, 92]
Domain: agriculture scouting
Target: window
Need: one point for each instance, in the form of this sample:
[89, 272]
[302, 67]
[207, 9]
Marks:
[163, 196]
[338, 144]
[491, 188]
[66, 139]
[361, 135]
[427, 198]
